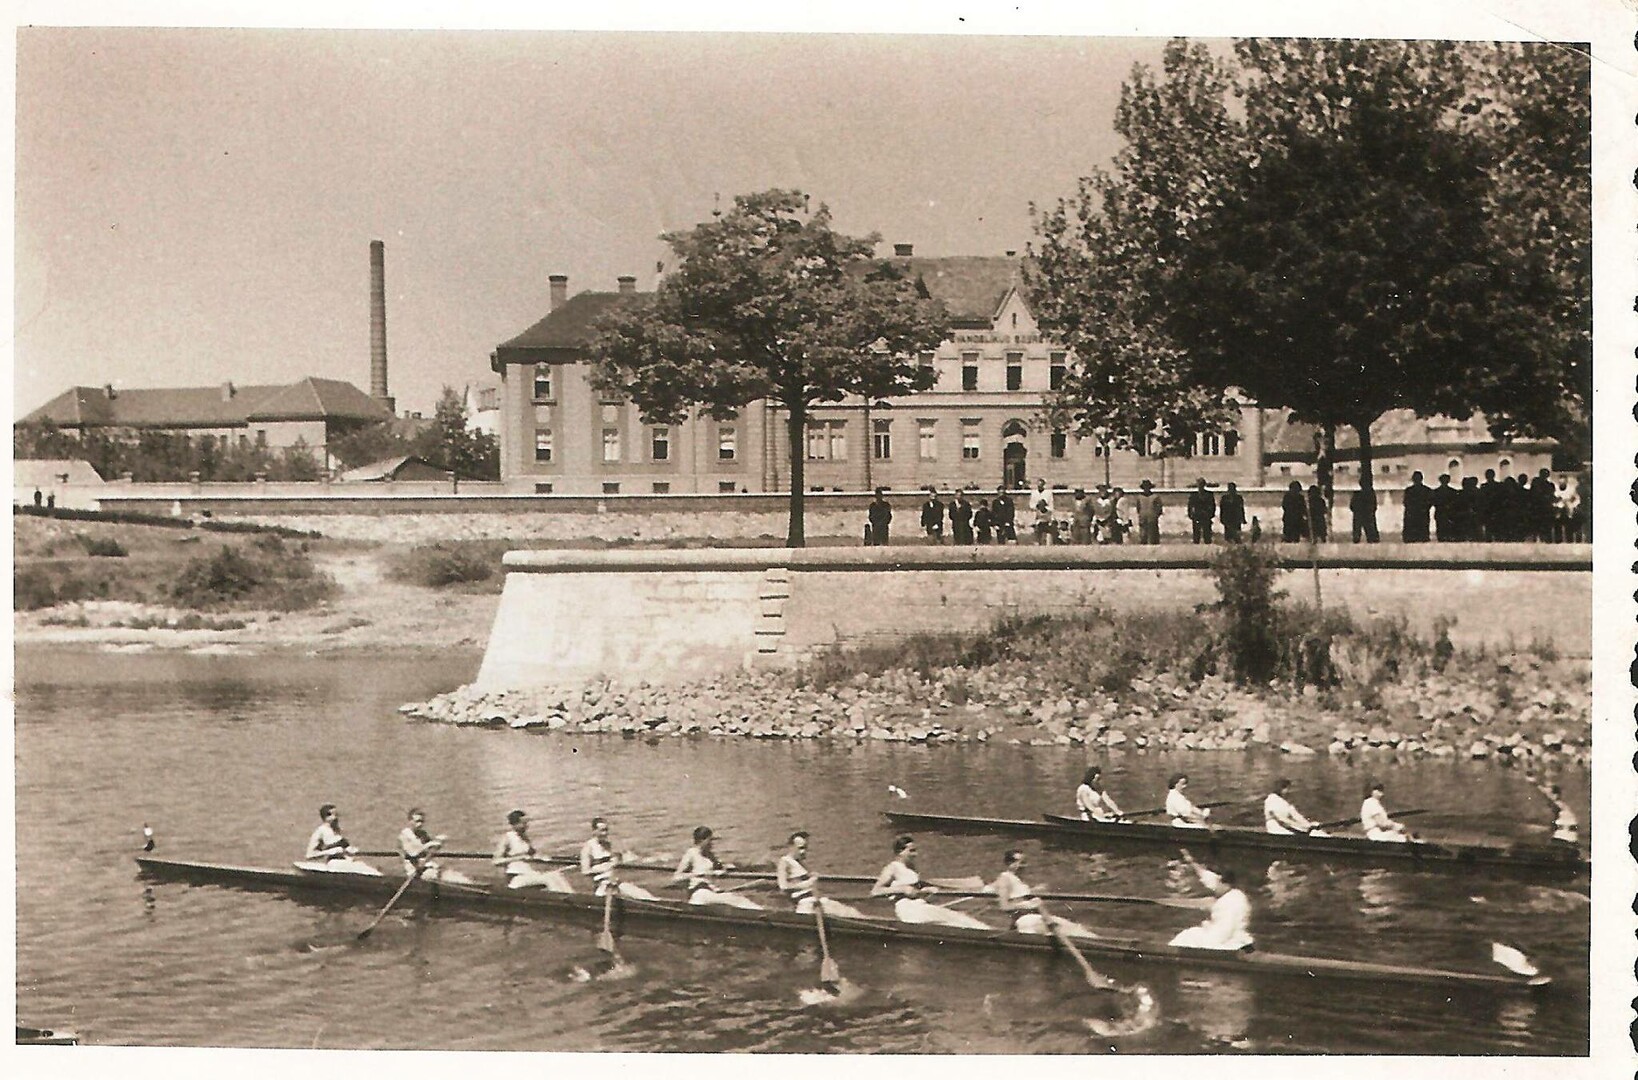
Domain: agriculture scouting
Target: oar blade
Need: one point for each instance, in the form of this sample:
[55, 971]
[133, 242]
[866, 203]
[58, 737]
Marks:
[605, 941]
[830, 973]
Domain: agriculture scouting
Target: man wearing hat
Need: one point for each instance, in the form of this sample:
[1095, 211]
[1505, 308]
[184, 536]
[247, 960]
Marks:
[1148, 513]
[1202, 508]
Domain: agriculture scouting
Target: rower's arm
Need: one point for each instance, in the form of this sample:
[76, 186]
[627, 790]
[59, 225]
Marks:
[681, 873]
[586, 860]
[501, 856]
[884, 885]
[782, 876]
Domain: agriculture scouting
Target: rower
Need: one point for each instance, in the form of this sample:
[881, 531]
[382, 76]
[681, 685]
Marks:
[1093, 802]
[1019, 902]
[1184, 814]
[900, 879]
[1565, 827]
[1283, 819]
[1229, 926]
[598, 860]
[328, 850]
[1374, 819]
[798, 882]
[699, 865]
[525, 869]
[420, 849]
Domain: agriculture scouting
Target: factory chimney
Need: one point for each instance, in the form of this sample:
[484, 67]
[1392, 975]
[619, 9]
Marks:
[378, 325]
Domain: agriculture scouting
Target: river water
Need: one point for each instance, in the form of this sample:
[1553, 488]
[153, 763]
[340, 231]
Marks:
[229, 757]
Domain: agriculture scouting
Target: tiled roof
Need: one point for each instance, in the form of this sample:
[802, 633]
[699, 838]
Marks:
[401, 467]
[570, 326]
[208, 406]
[971, 286]
[44, 472]
[1396, 428]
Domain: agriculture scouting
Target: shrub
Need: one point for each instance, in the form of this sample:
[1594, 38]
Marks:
[1249, 610]
[32, 588]
[103, 547]
[436, 566]
[231, 578]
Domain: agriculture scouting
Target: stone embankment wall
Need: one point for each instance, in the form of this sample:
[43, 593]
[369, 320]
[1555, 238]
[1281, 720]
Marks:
[668, 616]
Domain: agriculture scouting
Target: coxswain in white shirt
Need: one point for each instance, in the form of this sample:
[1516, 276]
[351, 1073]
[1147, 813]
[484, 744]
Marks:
[420, 851]
[524, 867]
[699, 865]
[1093, 802]
[1374, 819]
[598, 861]
[1229, 926]
[1565, 827]
[799, 883]
[900, 879]
[1281, 818]
[1023, 907]
[1184, 814]
[328, 850]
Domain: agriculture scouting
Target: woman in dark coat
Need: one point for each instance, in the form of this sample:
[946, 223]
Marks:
[1293, 515]
[1319, 518]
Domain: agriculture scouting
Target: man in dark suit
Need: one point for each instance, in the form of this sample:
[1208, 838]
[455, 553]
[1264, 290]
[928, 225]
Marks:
[1201, 509]
[932, 517]
[1446, 510]
[881, 516]
[961, 519]
[1419, 500]
[1231, 511]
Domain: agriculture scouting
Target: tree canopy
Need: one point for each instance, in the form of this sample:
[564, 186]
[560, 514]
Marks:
[1338, 228]
[769, 302]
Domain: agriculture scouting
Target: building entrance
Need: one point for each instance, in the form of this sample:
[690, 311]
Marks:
[1014, 471]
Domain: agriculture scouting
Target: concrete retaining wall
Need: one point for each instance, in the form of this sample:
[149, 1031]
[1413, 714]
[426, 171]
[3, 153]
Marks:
[662, 616]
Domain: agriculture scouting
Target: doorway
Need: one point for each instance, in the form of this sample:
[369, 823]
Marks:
[1014, 453]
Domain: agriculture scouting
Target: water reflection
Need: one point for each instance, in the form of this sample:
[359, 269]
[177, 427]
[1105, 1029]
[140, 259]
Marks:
[1220, 1006]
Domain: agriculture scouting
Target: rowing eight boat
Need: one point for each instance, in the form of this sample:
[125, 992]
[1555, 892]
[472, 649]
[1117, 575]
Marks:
[589, 909]
[1555, 859]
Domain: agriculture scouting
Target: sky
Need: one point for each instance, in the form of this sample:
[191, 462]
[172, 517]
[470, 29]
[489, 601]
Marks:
[195, 206]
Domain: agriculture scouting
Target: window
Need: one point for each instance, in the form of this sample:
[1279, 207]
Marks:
[543, 489]
[969, 440]
[543, 444]
[611, 444]
[662, 487]
[725, 487]
[660, 444]
[611, 487]
[725, 444]
[543, 382]
[1060, 444]
[924, 360]
[261, 437]
[881, 439]
[1015, 371]
[1056, 380]
[818, 440]
[1209, 444]
[1231, 442]
[927, 440]
[838, 440]
[969, 371]
[827, 440]
[1454, 466]
[1285, 470]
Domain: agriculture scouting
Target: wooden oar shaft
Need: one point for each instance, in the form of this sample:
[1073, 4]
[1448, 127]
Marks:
[1201, 806]
[402, 889]
[1355, 820]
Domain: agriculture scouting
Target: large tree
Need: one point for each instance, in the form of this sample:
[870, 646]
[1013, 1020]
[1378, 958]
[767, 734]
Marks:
[769, 302]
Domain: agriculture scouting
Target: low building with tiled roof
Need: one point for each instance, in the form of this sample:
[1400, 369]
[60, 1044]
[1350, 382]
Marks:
[1403, 443]
[311, 412]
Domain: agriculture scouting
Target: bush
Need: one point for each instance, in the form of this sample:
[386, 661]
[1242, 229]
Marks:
[437, 566]
[231, 578]
[103, 547]
[1249, 608]
[32, 589]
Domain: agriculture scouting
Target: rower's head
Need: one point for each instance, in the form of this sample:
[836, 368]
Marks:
[518, 820]
[703, 836]
[1178, 782]
[1013, 860]
[1374, 789]
[799, 841]
[1281, 786]
[600, 828]
[1227, 879]
[1091, 777]
[905, 848]
[327, 812]
[417, 816]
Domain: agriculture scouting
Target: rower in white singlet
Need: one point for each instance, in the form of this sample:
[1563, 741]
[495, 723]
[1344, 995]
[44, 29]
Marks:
[698, 866]
[1184, 814]
[1229, 926]
[524, 867]
[798, 883]
[899, 879]
[1283, 819]
[1023, 907]
[598, 860]
[1093, 801]
[1374, 819]
[1565, 827]
[329, 851]
[420, 850]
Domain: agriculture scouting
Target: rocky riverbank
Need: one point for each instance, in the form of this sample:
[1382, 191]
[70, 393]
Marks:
[1517, 709]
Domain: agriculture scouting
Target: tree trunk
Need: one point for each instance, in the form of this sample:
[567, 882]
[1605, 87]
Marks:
[798, 421]
[1366, 468]
[1325, 468]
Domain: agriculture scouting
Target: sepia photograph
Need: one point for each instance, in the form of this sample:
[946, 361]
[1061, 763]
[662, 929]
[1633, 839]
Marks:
[962, 534]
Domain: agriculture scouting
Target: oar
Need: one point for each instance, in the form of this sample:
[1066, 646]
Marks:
[830, 974]
[1093, 979]
[605, 939]
[402, 889]
[1096, 898]
[1202, 806]
[1355, 820]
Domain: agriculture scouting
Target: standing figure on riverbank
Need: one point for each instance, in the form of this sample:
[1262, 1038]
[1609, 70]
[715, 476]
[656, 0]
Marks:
[1374, 819]
[330, 851]
[1184, 814]
[799, 883]
[1362, 511]
[983, 522]
[1046, 526]
[598, 861]
[1419, 500]
[932, 518]
[1202, 508]
[1446, 510]
[1020, 904]
[1149, 508]
[1281, 818]
[880, 516]
[900, 879]
[1319, 515]
[1230, 924]
[1231, 511]
[1468, 527]
[1093, 802]
[525, 869]
[1293, 514]
[1002, 511]
[420, 849]
[699, 865]
[961, 520]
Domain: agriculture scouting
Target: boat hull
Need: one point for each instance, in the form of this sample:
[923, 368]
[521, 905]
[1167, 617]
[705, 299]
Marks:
[1535, 860]
[583, 907]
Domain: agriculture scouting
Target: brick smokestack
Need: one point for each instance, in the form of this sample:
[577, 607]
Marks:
[558, 286]
[378, 325]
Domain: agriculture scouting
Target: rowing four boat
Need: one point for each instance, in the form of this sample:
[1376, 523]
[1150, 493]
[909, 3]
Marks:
[588, 909]
[1551, 859]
